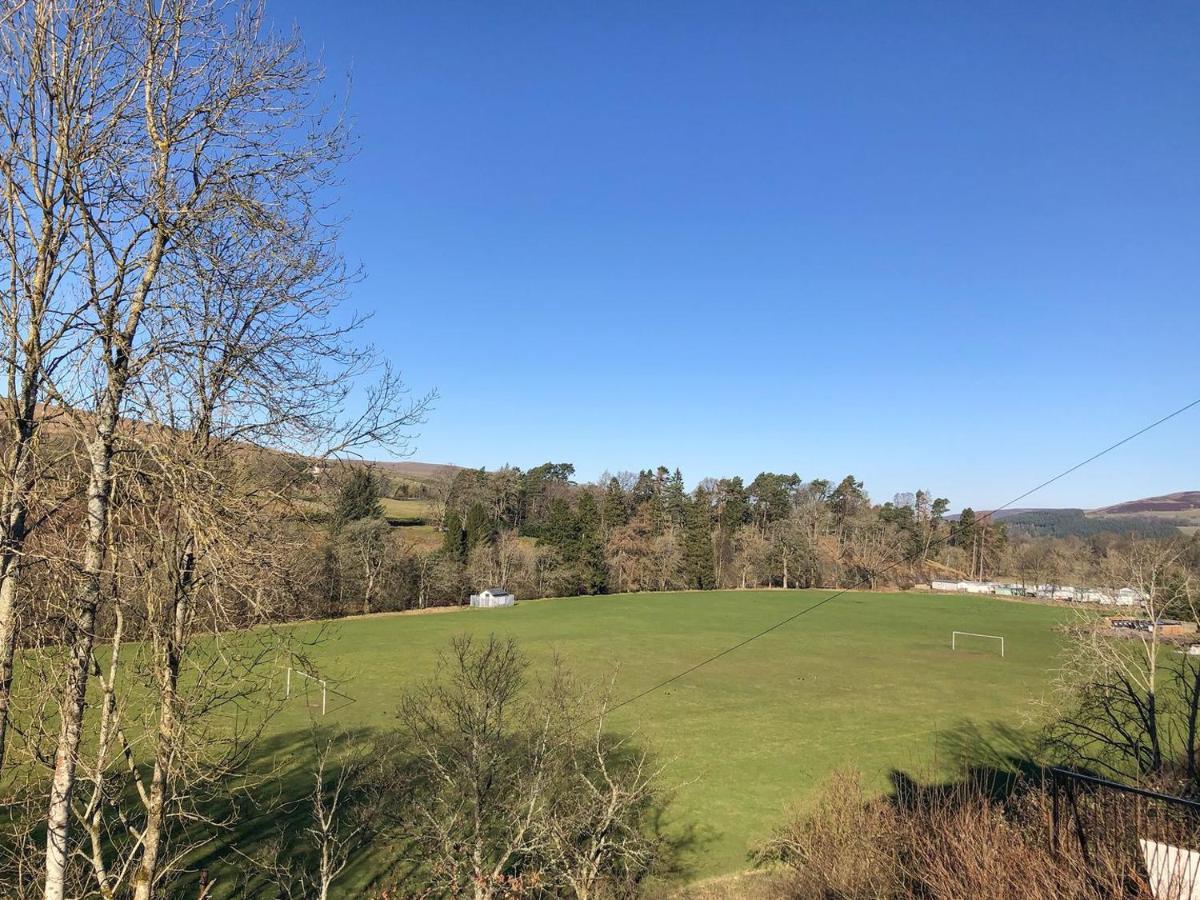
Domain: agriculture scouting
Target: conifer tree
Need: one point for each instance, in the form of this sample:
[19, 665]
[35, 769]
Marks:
[675, 499]
[454, 541]
[561, 528]
[698, 561]
[589, 550]
[359, 498]
[616, 507]
[478, 527]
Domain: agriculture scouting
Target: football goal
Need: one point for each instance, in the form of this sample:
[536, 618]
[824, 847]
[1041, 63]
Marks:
[956, 637]
[287, 691]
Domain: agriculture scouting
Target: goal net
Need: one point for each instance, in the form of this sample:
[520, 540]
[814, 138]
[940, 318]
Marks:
[972, 640]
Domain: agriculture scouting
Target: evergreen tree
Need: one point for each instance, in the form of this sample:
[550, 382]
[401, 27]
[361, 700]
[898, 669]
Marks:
[643, 491]
[454, 541]
[847, 499]
[561, 528]
[771, 496]
[616, 507]
[735, 510]
[675, 499]
[698, 562]
[589, 549]
[964, 532]
[478, 527]
[359, 498]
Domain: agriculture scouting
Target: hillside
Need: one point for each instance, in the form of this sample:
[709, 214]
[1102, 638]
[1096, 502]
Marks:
[1152, 517]
[1181, 503]
[417, 471]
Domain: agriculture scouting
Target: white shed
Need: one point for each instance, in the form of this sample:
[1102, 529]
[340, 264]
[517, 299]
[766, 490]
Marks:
[492, 597]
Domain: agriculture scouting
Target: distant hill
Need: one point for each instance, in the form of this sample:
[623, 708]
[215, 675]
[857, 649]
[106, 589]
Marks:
[1186, 503]
[1163, 516]
[416, 470]
[1078, 522]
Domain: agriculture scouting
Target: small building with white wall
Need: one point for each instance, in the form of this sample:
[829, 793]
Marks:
[492, 597]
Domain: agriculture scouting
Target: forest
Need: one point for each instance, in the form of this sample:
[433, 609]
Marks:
[539, 533]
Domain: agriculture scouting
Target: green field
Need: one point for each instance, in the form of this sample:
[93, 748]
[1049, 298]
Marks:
[868, 681]
[406, 509]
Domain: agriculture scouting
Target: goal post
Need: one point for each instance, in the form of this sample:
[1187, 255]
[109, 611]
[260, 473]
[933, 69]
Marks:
[955, 635]
[287, 691]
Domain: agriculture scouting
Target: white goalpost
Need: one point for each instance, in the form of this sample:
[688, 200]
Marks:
[287, 692]
[955, 635]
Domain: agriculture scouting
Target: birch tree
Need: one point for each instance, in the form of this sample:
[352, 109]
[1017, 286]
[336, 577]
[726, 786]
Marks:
[211, 132]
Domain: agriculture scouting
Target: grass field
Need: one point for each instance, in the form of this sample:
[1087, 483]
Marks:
[406, 509]
[866, 681]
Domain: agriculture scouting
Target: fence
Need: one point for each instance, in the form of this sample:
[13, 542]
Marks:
[1143, 831]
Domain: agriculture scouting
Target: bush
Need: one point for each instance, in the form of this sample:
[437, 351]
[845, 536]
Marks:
[940, 844]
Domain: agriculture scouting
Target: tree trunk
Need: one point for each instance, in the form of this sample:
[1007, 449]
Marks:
[80, 636]
[168, 724]
[8, 641]
[20, 477]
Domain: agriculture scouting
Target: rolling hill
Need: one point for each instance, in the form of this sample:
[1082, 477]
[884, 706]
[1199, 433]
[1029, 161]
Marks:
[1161, 516]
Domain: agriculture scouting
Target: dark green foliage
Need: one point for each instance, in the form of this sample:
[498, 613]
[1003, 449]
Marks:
[358, 498]
[847, 499]
[589, 549]
[561, 529]
[733, 503]
[698, 560]
[616, 506]
[454, 541]
[479, 527]
[539, 485]
[674, 499]
[964, 530]
[1073, 522]
[771, 496]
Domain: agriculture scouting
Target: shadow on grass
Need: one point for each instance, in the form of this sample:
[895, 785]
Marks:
[993, 760]
[273, 812]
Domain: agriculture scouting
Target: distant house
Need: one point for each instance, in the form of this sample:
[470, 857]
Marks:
[1128, 596]
[941, 584]
[492, 597]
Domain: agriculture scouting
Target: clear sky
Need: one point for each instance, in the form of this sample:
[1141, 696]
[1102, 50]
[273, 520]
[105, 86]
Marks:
[953, 246]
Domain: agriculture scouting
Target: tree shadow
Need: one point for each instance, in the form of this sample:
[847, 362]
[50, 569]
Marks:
[273, 808]
[992, 760]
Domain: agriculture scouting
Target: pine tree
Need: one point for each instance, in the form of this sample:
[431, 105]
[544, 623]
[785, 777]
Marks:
[478, 527]
[616, 507]
[561, 528]
[589, 548]
[454, 541]
[698, 562]
[675, 499]
[359, 498]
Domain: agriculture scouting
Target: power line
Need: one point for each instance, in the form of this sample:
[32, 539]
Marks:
[985, 516]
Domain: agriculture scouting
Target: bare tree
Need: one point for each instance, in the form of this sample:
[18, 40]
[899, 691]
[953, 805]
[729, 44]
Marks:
[55, 65]
[506, 786]
[1114, 714]
[205, 151]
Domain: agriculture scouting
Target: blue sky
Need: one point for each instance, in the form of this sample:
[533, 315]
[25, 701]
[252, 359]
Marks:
[949, 246]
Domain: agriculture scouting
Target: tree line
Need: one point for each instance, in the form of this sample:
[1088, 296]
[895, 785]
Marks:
[539, 533]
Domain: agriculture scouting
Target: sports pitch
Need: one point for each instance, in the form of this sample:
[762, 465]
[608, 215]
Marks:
[867, 681]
